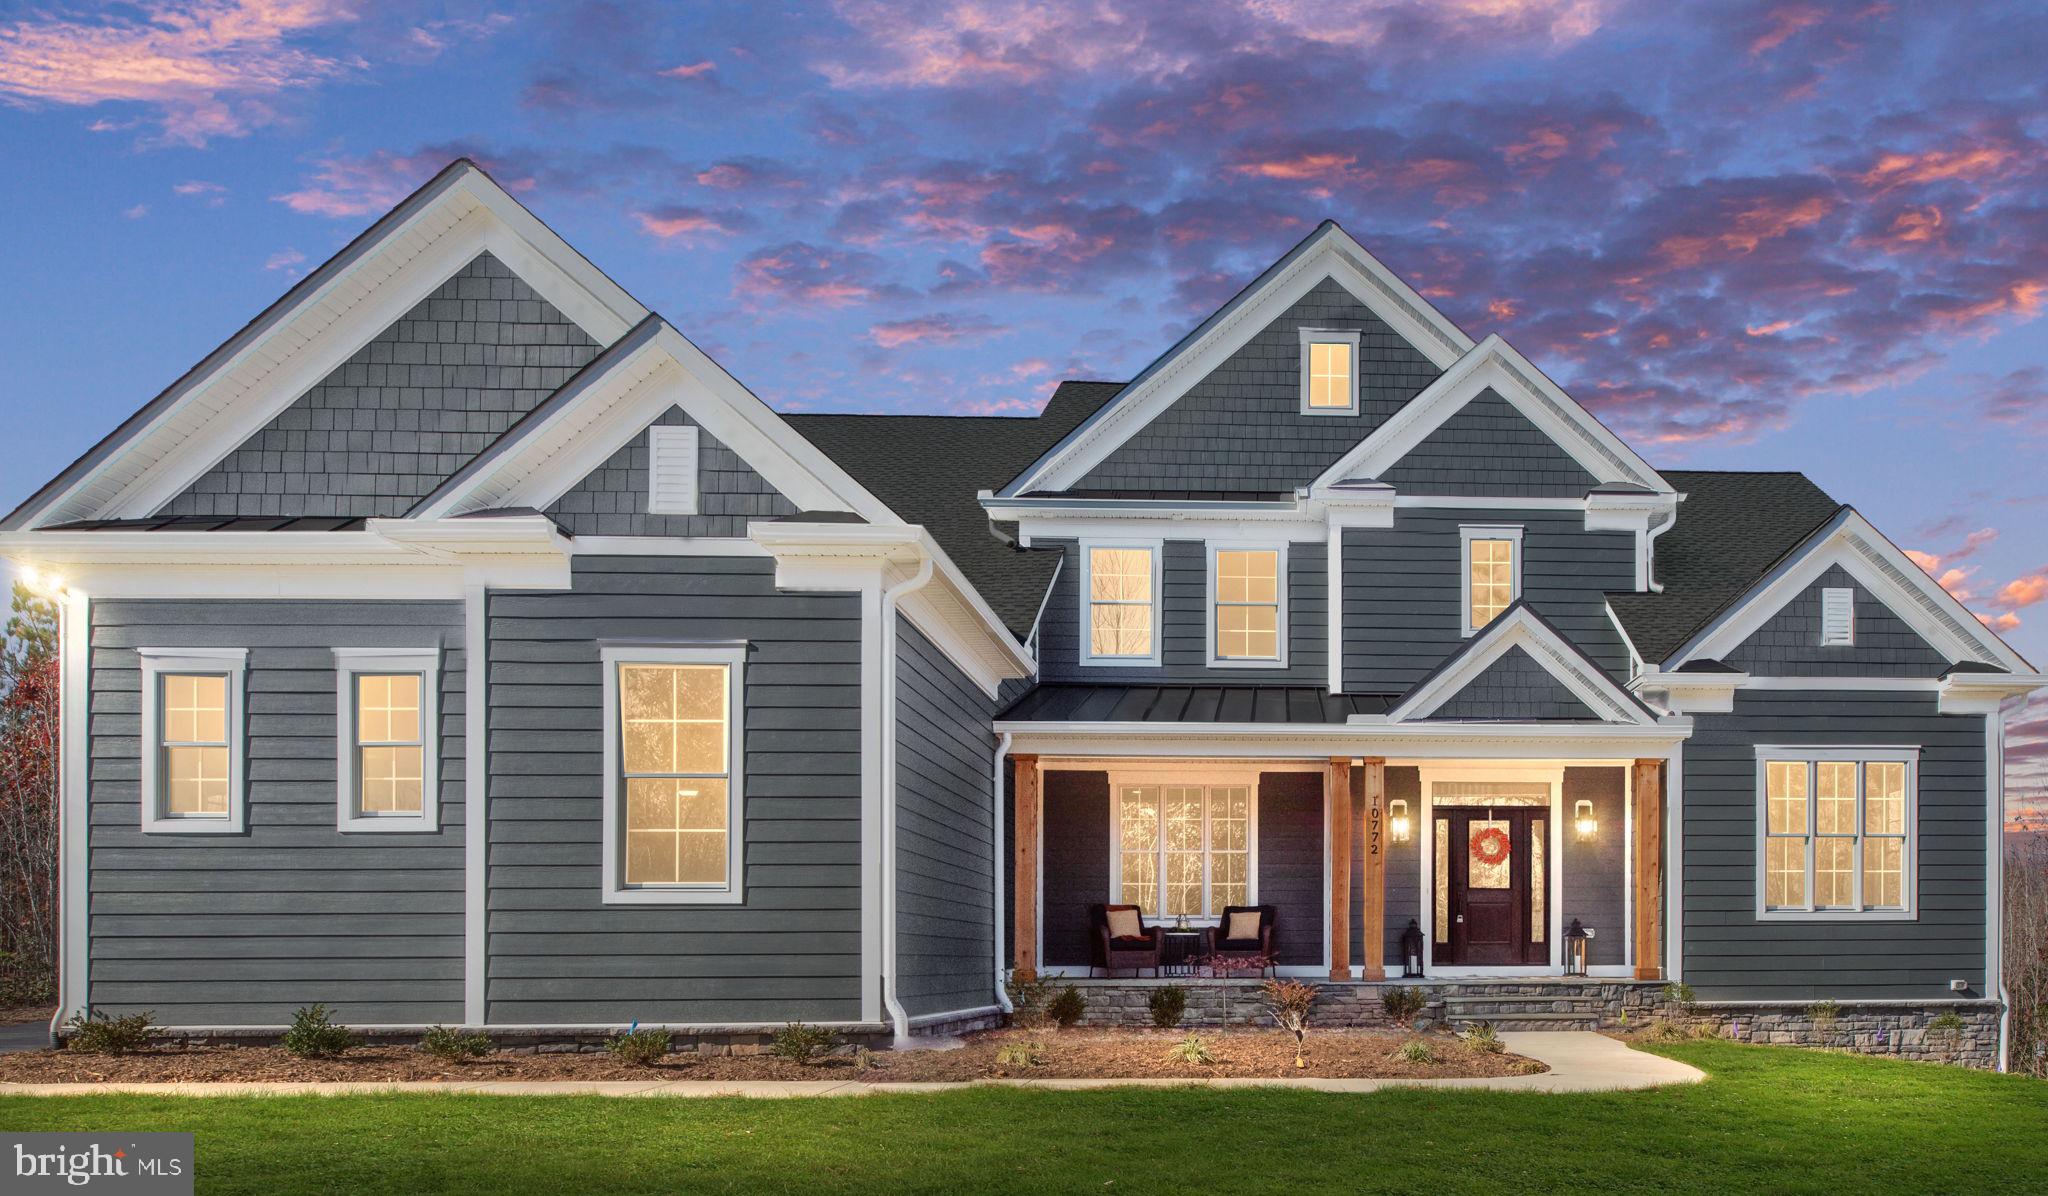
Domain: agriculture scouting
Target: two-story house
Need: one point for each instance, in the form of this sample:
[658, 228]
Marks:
[460, 644]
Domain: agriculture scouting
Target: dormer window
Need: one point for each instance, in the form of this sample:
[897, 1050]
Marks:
[1329, 372]
[671, 470]
[1837, 618]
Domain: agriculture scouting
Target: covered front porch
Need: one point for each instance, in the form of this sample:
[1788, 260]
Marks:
[1433, 866]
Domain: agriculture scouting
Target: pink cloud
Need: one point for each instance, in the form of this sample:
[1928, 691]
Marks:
[207, 68]
[692, 225]
[694, 70]
[812, 274]
[284, 259]
[941, 329]
[373, 183]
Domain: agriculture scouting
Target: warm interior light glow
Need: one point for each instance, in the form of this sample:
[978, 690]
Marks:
[1583, 821]
[1397, 820]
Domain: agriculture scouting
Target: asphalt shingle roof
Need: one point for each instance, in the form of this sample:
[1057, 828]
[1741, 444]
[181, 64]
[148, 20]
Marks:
[929, 469]
[1731, 529]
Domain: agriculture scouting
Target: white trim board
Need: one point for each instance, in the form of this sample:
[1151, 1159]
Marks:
[1329, 252]
[1521, 629]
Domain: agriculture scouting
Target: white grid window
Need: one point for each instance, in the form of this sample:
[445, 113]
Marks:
[1329, 371]
[1121, 599]
[194, 745]
[1835, 838]
[192, 740]
[1247, 617]
[673, 829]
[387, 771]
[1183, 850]
[1492, 573]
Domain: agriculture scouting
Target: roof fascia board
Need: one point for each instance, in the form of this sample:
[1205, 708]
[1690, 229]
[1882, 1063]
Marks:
[1849, 540]
[1328, 252]
[1505, 741]
[1521, 628]
[318, 325]
[1495, 363]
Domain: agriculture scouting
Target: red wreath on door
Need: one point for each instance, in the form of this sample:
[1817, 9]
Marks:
[1490, 846]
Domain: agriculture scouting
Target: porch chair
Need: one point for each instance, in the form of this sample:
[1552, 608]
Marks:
[1122, 940]
[1243, 934]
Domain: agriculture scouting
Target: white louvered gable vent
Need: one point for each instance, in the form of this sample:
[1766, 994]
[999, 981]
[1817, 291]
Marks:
[672, 470]
[1837, 618]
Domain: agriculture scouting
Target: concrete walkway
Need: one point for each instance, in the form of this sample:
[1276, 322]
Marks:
[1579, 1062]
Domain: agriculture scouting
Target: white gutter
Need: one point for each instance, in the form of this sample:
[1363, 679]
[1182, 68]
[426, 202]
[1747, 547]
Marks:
[996, 875]
[890, 796]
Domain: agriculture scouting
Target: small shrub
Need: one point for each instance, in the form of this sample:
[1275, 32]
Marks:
[1679, 995]
[1167, 1005]
[1416, 1051]
[1484, 1039]
[1402, 1003]
[1823, 1015]
[1668, 1031]
[863, 1059]
[1019, 1054]
[1028, 999]
[1190, 1050]
[800, 1044]
[642, 1048]
[94, 1033]
[1945, 1035]
[1290, 1003]
[444, 1042]
[313, 1035]
[1068, 1008]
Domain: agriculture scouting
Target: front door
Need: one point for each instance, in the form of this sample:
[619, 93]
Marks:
[1490, 887]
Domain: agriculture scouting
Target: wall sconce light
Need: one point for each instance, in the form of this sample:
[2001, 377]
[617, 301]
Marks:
[1583, 822]
[1397, 820]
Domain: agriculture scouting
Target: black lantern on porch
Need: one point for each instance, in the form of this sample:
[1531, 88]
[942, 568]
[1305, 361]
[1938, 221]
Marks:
[1411, 950]
[1575, 949]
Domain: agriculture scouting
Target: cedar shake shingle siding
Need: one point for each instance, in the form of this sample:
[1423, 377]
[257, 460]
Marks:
[1488, 449]
[1514, 687]
[612, 501]
[1241, 427]
[407, 410]
[1788, 644]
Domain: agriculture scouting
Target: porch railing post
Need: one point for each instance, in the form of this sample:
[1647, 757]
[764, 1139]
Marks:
[1338, 836]
[1649, 859]
[1374, 965]
[1024, 871]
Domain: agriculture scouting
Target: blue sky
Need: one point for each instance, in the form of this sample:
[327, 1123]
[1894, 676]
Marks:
[1776, 234]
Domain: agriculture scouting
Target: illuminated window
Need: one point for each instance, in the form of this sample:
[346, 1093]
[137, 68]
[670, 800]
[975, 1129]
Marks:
[1329, 372]
[1834, 835]
[387, 766]
[1120, 593]
[673, 826]
[1492, 577]
[1183, 850]
[192, 740]
[1247, 620]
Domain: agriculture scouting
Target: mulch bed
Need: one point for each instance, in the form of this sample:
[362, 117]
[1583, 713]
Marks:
[1063, 1054]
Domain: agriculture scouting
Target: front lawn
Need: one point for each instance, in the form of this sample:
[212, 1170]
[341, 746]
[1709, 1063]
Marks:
[1770, 1119]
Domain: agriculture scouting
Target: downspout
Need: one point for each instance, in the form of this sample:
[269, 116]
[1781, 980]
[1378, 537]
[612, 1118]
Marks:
[996, 873]
[890, 698]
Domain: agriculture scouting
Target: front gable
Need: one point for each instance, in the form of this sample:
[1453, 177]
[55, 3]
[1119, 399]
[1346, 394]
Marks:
[1788, 644]
[612, 500]
[406, 410]
[1514, 688]
[1490, 449]
[1520, 669]
[1241, 427]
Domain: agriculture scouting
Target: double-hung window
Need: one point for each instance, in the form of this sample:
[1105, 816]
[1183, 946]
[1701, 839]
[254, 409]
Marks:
[1247, 612]
[386, 713]
[192, 736]
[1491, 578]
[1835, 836]
[1120, 603]
[673, 761]
[1183, 850]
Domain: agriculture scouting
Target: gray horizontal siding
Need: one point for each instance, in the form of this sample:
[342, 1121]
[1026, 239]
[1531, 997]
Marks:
[243, 929]
[407, 409]
[1730, 954]
[1488, 449]
[1291, 866]
[1184, 622]
[1595, 874]
[612, 501]
[945, 838]
[1076, 862]
[1404, 868]
[1401, 590]
[1514, 687]
[1241, 427]
[1788, 644]
[792, 950]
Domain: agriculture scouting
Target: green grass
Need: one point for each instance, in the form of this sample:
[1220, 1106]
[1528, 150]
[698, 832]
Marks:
[1769, 1119]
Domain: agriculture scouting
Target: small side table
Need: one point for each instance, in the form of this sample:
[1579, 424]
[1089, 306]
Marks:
[1182, 947]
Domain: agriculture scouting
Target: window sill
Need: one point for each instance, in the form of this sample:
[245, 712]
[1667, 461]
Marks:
[350, 824]
[1247, 662]
[1120, 662]
[1837, 915]
[192, 826]
[673, 896]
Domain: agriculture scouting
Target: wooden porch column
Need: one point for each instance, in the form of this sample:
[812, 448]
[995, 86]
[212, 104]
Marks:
[1374, 965]
[1337, 785]
[1648, 789]
[1024, 871]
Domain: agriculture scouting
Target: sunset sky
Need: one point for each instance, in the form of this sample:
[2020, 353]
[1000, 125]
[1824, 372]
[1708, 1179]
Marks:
[1785, 234]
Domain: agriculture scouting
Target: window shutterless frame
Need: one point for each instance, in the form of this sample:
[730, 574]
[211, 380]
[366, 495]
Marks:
[613, 656]
[1467, 535]
[1158, 787]
[230, 665]
[349, 665]
[1319, 375]
[1088, 549]
[1810, 758]
[1217, 602]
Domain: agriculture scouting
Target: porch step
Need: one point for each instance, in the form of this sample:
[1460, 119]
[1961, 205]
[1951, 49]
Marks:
[1528, 1021]
[1558, 1010]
